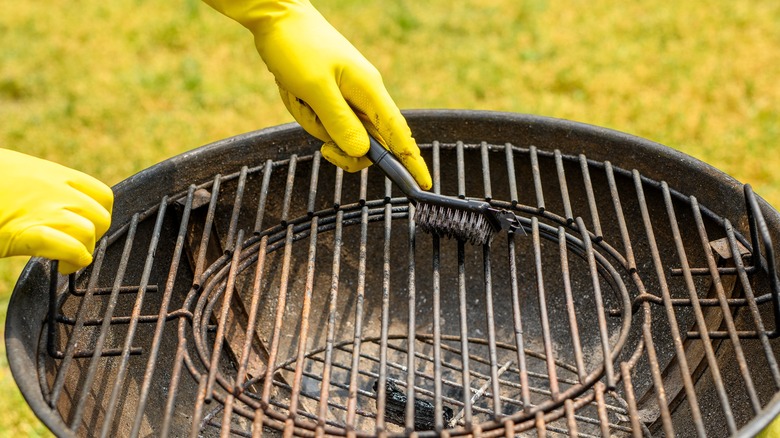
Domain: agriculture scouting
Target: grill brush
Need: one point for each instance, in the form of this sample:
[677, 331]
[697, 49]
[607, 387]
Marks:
[466, 219]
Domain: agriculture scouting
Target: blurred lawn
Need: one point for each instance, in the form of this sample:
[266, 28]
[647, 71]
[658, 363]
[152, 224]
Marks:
[111, 88]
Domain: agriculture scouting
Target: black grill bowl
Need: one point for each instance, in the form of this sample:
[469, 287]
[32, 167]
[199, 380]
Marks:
[640, 297]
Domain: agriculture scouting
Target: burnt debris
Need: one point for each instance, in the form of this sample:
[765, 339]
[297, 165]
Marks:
[395, 409]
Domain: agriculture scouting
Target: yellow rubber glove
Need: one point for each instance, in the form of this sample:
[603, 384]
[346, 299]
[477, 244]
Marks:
[772, 430]
[48, 210]
[326, 84]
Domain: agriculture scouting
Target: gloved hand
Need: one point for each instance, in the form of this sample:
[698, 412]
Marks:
[772, 430]
[48, 210]
[326, 84]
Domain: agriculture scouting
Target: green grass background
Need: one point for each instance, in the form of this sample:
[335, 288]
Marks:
[113, 87]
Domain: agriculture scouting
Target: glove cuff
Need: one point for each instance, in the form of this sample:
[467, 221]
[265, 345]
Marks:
[258, 16]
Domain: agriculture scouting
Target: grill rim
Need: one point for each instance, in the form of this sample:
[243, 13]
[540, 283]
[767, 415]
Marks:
[171, 176]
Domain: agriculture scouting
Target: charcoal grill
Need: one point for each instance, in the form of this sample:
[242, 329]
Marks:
[249, 288]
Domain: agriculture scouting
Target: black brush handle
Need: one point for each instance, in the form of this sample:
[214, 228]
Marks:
[398, 174]
[393, 168]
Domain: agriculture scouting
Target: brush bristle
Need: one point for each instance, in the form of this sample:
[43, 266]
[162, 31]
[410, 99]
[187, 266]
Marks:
[450, 222]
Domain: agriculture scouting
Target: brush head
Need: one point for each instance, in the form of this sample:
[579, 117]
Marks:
[470, 226]
[470, 220]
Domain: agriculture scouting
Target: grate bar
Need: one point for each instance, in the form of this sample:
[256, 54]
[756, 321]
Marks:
[570, 307]
[122, 320]
[175, 376]
[70, 349]
[602, 320]
[107, 352]
[230, 239]
[491, 329]
[571, 420]
[281, 302]
[721, 334]
[51, 321]
[315, 175]
[107, 290]
[436, 290]
[700, 321]
[722, 270]
[704, 302]
[197, 416]
[332, 310]
[288, 187]
[535, 172]
[78, 412]
[621, 219]
[261, 203]
[136, 312]
[564, 188]
[382, 378]
[541, 426]
[227, 413]
[682, 360]
[388, 191]
[220, 337]
[252, 320]
[208, 227]
[257, 279]
[359, 302]
[339, 184]
[151, 363]
[518, 324]
[411, 328]
[752, 210]
[545, 321]
[726, 311]
[464, 341]
[306, 305]
[598, 389]
[412, 304]
[461, 170]
[486, 171]
[304, 329]
[594, 211]
[53, 318]
[655, 371]
[510, 172]
[625, 373]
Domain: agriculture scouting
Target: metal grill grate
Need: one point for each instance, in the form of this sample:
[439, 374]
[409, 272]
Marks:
[290, 298]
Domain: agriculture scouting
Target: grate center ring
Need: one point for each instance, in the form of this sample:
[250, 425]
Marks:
[336, 303]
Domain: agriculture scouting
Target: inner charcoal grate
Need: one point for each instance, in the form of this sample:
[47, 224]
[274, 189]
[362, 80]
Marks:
[291, 298]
